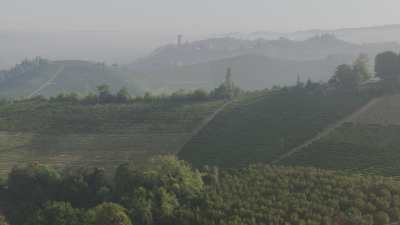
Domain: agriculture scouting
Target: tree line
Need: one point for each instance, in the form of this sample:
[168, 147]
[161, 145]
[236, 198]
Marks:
[387, 69]
[166, 190]
[22, 68]
[103, 95]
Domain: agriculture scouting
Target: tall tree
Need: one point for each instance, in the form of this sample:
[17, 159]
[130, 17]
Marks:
[59, 213]
[109, 214]
[387, 65]
[104, 93]
[345, 77]
[227, 89]
[361, 67]
[123, 95]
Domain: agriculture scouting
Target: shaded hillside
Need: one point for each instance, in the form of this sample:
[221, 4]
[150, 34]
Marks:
[49, 78]
[260, 129]
[367, 143]
[63, 134]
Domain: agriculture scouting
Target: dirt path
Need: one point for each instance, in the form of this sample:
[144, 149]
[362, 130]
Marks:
[204, 123]
[327, 131]
[47, 83]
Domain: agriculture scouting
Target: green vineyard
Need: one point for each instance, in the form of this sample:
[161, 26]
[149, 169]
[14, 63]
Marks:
[260, 129]
[355, 147]
[99, 135]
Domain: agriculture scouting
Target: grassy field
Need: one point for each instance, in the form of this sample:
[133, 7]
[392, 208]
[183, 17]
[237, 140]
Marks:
[100, 135]
[261, 128]
[355, 147]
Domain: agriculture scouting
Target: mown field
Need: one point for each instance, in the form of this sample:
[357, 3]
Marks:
[261, 128]
[62, 134]
[355, 147]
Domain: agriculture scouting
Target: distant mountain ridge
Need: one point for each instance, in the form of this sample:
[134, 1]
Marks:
[373, 34]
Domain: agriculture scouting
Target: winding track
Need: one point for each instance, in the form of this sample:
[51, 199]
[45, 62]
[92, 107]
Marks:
[327, 130]
[47, 83]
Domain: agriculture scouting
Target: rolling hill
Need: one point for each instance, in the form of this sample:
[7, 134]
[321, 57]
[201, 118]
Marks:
[261, 128]
[313, 48]
[256, 64]
[250, 72]
[49, 78]
[68, 135]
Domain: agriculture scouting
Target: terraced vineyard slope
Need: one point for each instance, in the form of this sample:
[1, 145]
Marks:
[368, 143]
[262, 128]
[95, 135]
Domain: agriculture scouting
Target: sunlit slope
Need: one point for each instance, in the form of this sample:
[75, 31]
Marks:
[102, 135]
[54, 77]
[368, 143]
[386, 111]
[262, 128]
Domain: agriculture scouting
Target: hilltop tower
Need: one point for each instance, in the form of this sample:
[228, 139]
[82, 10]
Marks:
[179, 40]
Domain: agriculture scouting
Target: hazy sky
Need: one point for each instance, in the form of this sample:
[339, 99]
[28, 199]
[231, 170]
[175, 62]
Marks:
[127, 29]
[197, 17]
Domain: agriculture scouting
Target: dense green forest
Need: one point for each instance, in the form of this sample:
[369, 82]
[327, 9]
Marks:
[168, 191]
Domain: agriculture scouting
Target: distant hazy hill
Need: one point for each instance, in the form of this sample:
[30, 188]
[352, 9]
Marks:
[49, 78]
[256, 64]
[316, 47]
[375, 34]
[249, 72]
